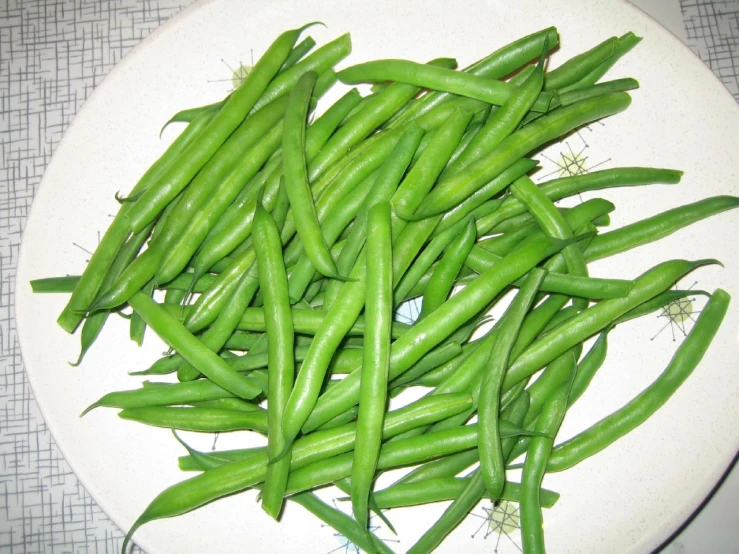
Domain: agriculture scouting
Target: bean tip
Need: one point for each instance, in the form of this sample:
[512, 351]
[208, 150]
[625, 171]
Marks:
[89, 408]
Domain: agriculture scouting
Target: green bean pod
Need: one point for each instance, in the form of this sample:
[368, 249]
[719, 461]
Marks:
[207, 420]
[374, 373]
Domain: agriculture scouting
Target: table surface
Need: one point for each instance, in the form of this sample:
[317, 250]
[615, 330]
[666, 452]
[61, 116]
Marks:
[53, 53]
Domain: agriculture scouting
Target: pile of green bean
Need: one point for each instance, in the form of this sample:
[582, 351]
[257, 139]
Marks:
[279, 246]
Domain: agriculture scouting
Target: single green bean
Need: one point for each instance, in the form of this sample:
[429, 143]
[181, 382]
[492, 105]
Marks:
[578, 66]
[207, 420]
[374, 373]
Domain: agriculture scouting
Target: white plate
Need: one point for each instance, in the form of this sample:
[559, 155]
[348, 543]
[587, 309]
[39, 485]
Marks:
[627, 499]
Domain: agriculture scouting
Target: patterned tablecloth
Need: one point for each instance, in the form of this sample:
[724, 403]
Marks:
[53, 53]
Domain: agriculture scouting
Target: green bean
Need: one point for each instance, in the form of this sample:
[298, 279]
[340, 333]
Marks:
[572, 285]
[578, 66]
[164, 394]
[351, 299]
[435, 78]
[197, 153]
[95, 322]
[446, 467]
[656, 227]
[227, 404]
[208, 420]
[320, 61]
[595, 318]
[540, 447]
[178, 337]
[455, 189]
[200, 461]
[341, 419]
[242, 340]
[607, 87]
[91, 279]
[658, 302]
[296, 176]
[426, 334]
[446, 488]
[137, 327]
[435, 358]
[553, 223]
[497, 65]
[385, 184]
[280, 338]
[588, 366]
[342, 523]
[334, 223]
[395, 454]
[557, 373]
[187, 116]
[309, 322]
[624, 45]
[374, 373]
[492, 463]
[625, 419]
[442, 280]
[48, 285]
[299, 51]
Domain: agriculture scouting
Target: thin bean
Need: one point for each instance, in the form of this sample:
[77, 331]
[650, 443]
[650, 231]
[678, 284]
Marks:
[444, 489]
[190, 348]
[206, 420]
[492, 462]
[616, 425]
[578, 66]
[442, 280]
[588, 367]
[436, 78]
[374, 373]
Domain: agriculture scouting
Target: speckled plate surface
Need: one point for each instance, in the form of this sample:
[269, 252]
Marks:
[628, 499]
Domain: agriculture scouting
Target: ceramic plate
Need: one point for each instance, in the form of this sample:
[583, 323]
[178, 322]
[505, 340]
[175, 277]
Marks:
[629, 498]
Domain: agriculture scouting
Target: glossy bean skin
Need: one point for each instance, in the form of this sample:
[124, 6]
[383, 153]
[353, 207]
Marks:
[280, 339]
[553, 223]
[374, 372]
[588, 367]
[612, 427]
[320, 61]
[387, 181]
[350, 301]
[296, 176]
[624, 44]
[504, 121]
[497, 65]
[235, 226]
[580, 65]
